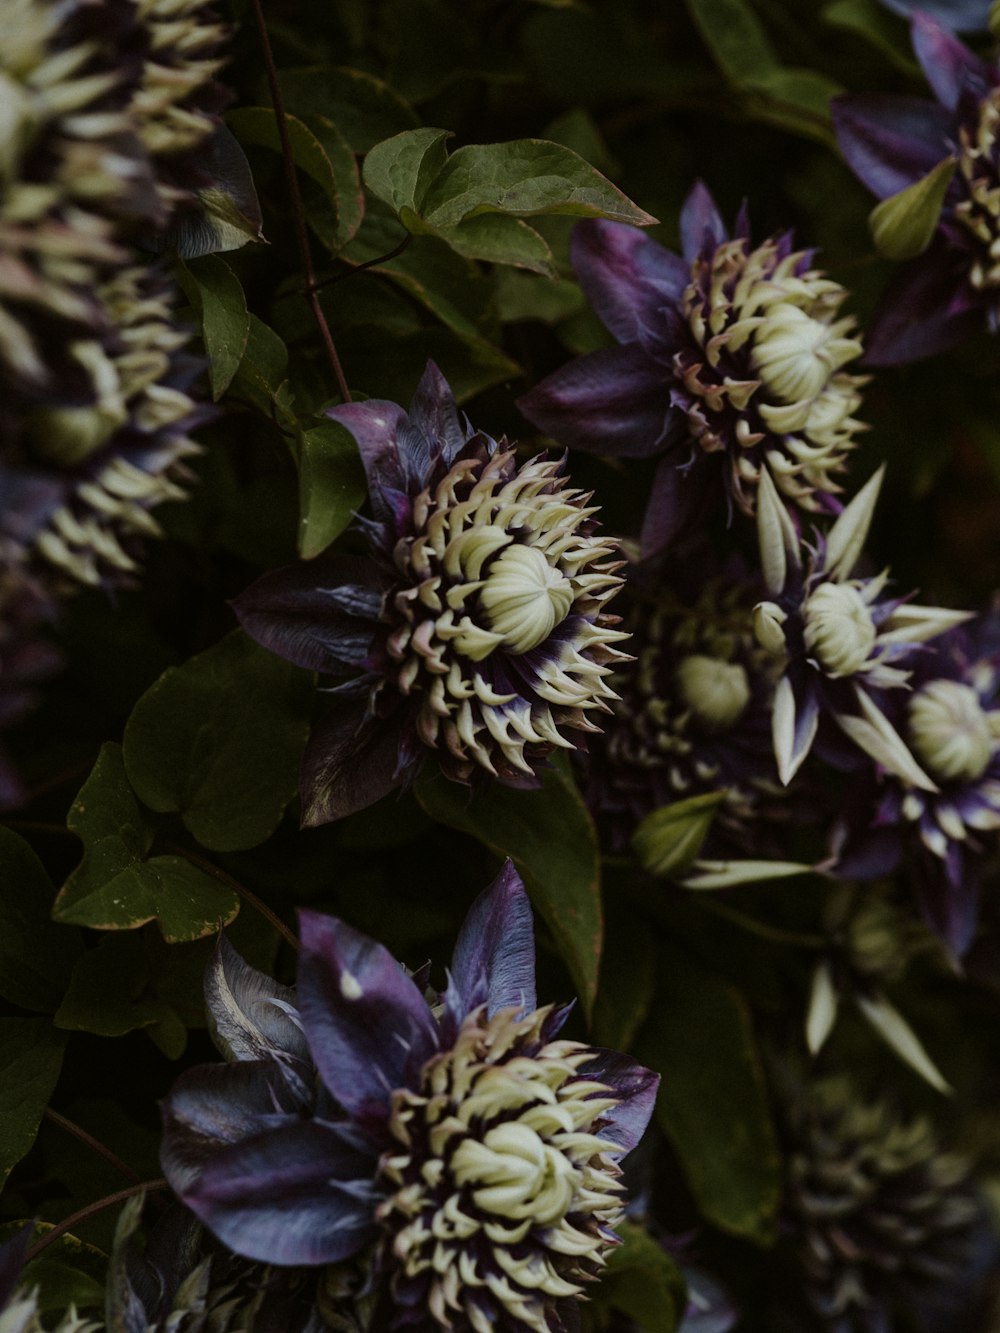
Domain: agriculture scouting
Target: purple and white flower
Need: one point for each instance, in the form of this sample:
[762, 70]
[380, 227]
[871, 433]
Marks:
[454, 1139]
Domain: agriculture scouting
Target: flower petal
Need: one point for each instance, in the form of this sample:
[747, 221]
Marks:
[888, 141]
[701, 222]
[248, 1012]
[369, 1029]
[433, 413]
[626, 275]
[793, 728]
[635, 1085]
[677, 501]
[494, 957]
[615, 402]
[374, 426]
[346, 766]
[301, 1194]
[962, 15]
[12, 1255]
[948, 64]
[919, 315]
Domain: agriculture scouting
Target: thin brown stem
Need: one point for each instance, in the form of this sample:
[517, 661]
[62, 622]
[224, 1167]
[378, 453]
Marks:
[298, 212]
[246, 894]
[95, 1145]
[109, 1201]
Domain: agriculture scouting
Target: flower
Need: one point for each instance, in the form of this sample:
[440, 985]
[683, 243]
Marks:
[950, 721]
[729, 359]
[456, 1141]
[475, 628]
[841, 641]
[18, 1303]
[882, 1225]
[962, 15]
[890, 142]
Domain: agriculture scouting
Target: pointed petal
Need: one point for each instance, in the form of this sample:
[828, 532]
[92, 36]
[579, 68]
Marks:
[888, 141]
[792, 733]
[348, 765]
[711, 875]
[12, 1256]
[626, 275]
[635, 1085]
[822, 1012]
[369, 1029]
[374, 426]
[846, 539]
[433, 413]
[913, 623]
[678, 500]
[494, 958]
[775, 535]
[950, 902]
[244, 1020]
[301, 1194]
[701, 223]
[927, 308]
[948, 64]
[894, 1030]
[877, 737]
[962, 15]
[615, 402]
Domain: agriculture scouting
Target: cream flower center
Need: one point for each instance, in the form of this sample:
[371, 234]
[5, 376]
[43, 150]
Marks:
[839, 631]
[717, 692]
[951, 732]
[793, 353]
[524, 598]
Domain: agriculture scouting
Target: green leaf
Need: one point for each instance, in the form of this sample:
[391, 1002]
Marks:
[501, 240]
[550, 838]
[36, 955]
[70, 1272]
[668, 840]
[364, 108]
[400, 170]
[217, 295]
[115, 887]
[713, 1103]
[523, 296]
[903, 225]
[628, 981]
[262, 377]
[869, 20]
[331, 486]
[523, 178]
[109, 991]
[31, 1055]
[218, 741]
[643, 1281]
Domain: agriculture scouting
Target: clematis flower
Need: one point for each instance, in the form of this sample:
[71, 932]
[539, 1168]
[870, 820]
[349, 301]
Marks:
[891, 142]
[19, 1303]
[843, 643]
[730, 361]
[950, 721]
[475, 629]
[455, 1141]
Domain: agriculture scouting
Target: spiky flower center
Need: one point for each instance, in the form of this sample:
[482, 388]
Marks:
[765, 378]
[979, 212]
[498, 632]
[717, 692]
[839, 631]
[951, 732]
[503, 1191]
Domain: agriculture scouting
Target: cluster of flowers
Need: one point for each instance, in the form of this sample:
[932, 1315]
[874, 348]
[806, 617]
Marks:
[111, 146]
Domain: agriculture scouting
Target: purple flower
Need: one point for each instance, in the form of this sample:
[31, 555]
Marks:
[890, 142]
[453, 1138]
[729, 362]
[962, 15]
[950, 721]
[475, 628]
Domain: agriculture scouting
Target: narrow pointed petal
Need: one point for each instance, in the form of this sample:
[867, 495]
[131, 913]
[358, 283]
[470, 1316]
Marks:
[888, 141]
[637, 1087]
[374, 425]
[793, 734]
[822, 1012]
[613, 402]
[950, 906]
[846, 539]
[875, 734]
[926, 309]
[894, 1030]
[345, 767]
[775, 535]
[245, 1021]
[369, 1029]
[701, 222]
[434, 414]
[678, 499]
[948, 64]
[12, 1256]
[494, 958]
[626, 275]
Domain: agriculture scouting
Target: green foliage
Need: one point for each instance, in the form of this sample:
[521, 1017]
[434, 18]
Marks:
[331, 486]
[35, 955]
[215, 292]
[903, 225]
[30, 1059]
[668, 840]
[642, 1281]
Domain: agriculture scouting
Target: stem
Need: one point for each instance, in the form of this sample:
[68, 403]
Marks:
[369, 263]
[798, 939]
[298, 212]
[109, 1201]
[93, 1144]
[256, 903]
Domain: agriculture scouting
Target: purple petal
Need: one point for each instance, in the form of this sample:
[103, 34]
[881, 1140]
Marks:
[613, 402]
[949, 65]
[636, 1086]
[434, 414]
[921, 313]
[701, 224]
[12, 1256]
[876, 852]
[962, 15]
[626, 275]
[889, 142]
[249, 1012]
[301, 1194]
[948, 896]
[350, 762]
[318, 614]
[678, 497]
[369, 1029]
[374, 426]
[494, 958]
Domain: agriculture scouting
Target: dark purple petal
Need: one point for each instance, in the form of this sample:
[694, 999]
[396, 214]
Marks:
[948, 895]
[369, 1029]
[433, 413]
[962, 15]
[12, 1256]
[889, 142]
[248, 1012]
[949, 65]
[374, 426]
[636, 1086]
[348, 765]
[920, 314]
[494, 958]
[627, 276]
[613, 402]
[678, 497]
[701, 224]
[301, 1194]
[318, 614]
[874, 853]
